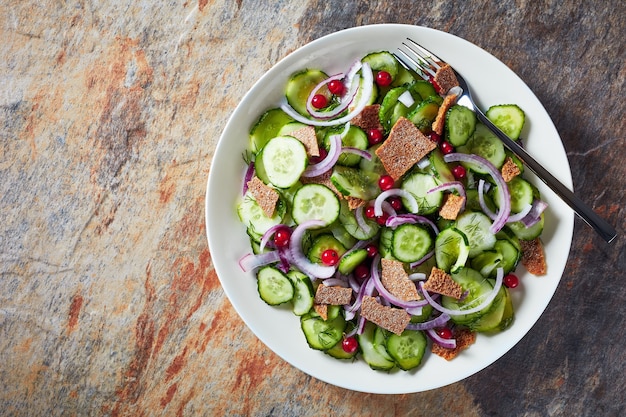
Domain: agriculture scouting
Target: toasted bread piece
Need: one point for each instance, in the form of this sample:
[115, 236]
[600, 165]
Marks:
[333, 295]
[445, 78]
[405, 146]
[509, 169]
[368, 118]
[307, 136]
[354, 202]
[533, 256]
[265, 196]
[452, 206]
[440, 120]
[322, 310]
[396, 280]
[389, 318]
[464, 339]
[442, 283]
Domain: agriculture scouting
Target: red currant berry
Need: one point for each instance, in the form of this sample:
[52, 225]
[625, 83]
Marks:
[385, 182]
[372, 250]
[330, 257]
[396, 202]
[381, 220]
[322, 155]
[336, 87]
[282, 236]
[361, 272]
[511, 280]
[444, 333]
[374, 136]
[435, 137]
[369, 212]
[349, 344]
[319, 101]
[446, 147]
[383, 78]
[459, 172]
[435, 85]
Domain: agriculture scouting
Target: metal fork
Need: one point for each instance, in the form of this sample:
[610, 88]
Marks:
[425, 63]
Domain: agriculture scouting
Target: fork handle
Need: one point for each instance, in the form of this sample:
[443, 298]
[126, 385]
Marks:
[601, 226]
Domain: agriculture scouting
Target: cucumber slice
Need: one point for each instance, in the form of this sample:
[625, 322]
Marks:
[490, 321]
[527, 233]
[407, 349]
[509, 118]
[300, 86]
[475, 225]
[487, 145]
[355, 138]
[384, 243]
[419, 184]
[255, 220]
[476, 287]
[320, 334]
[324, 242]
[267, 127]
[411, 242]
[351, 260]
[460, 125]
[427, 310]
[388, 105]
[424, 89]
[451, 249]
[355, 183]
[290, 127]
[303, 297]
[439, 167]
[511, 255]
[284, 159]
[521, 193]
[337, 352]
[371, 355]
[404, 77]
[315, 202]
[424, 114]
[347, 219]
[486, 262]
[383, 61]
[373, 165]
[274, 287]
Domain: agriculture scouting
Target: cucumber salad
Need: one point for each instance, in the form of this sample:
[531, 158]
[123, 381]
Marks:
[385, 216]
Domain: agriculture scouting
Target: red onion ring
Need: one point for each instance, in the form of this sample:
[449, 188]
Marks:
[268, 235]
[343, 104]
[399, 219]
[250, 261]
[399, 192]
[359, 215]
[446, 343]
[439, 321]
[488, 299]
[328, 162]
[248, 176]
[503, 189]
[356, 151]
[375, 275]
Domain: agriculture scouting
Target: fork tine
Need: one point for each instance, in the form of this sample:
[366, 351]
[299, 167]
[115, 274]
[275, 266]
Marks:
[418, 58]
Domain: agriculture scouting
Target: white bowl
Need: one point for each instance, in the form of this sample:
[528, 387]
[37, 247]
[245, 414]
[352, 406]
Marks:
[493, 83]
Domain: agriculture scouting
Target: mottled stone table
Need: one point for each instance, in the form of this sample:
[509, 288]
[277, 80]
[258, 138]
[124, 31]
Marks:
[109, 116]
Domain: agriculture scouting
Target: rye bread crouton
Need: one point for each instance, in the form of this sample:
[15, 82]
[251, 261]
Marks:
[322, 310]
[464, 339]
[452, 206]
[445, 78]
[307, 136]
[440, 120]
[442, 283]
[509, 169]
[404, 147]
[533, 256]
[265, 196]
[395, 280]
[368, 118]
[333, 295]
[389, 318]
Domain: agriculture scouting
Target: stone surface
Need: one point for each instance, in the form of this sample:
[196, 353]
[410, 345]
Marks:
[109, 115]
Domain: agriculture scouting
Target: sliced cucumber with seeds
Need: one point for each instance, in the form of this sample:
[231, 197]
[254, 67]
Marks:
[424, 114]
[289, 128]
[267, 127]
[439, 167]
[351, 260]
[509, 118]
[475, 288]
[382, 61]
[419, 184]
[255, 220]
[322, 334]
[425, 90]
[274, 287]
[315, 202]
[484, 144]
[460, 125]
[527, 233]
[407, 349]
[487, 261]
[384, 243]
[521, 193]
[324, 242]
[284, 159]
[303, 297]
[411, 242]
[491, 320]
[388, 106]
[348, 219]
[371, 355]
[354, 138]
[451, 249]
[354, 182]
[475, 225]
[300, 86]
[511, 255]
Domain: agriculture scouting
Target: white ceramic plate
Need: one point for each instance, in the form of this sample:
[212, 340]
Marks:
[278, 328]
